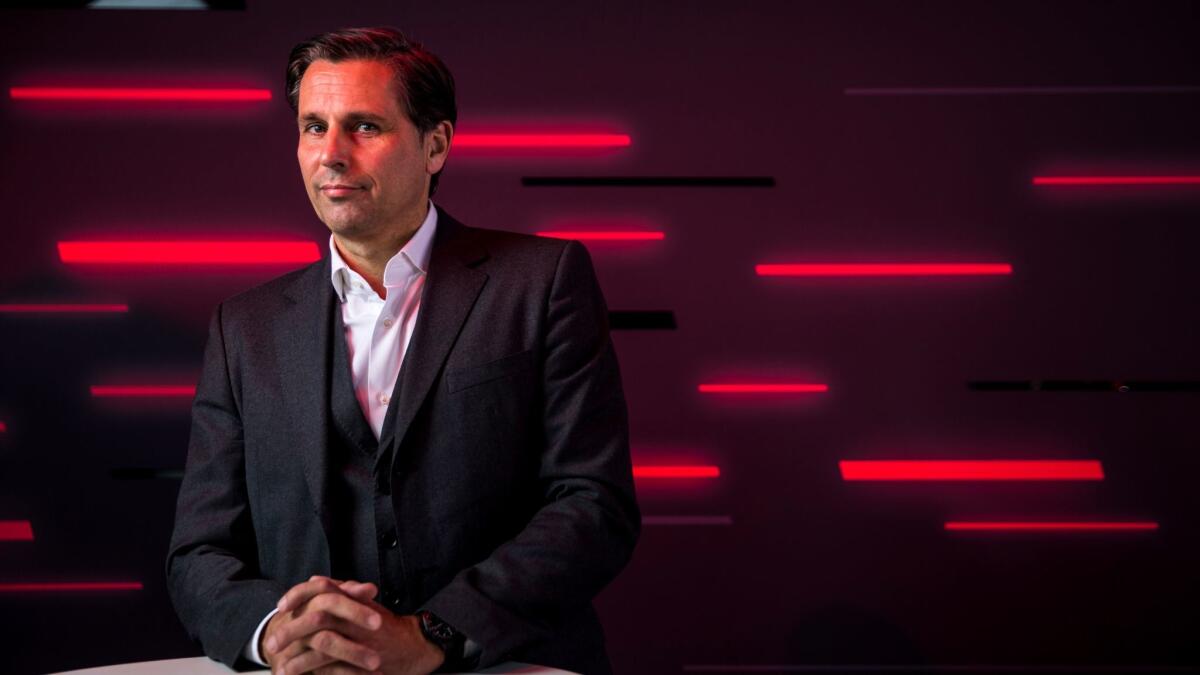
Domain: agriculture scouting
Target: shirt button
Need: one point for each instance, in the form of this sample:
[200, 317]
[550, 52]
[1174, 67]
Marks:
[387, 323]
[388, 540]
[384, 399]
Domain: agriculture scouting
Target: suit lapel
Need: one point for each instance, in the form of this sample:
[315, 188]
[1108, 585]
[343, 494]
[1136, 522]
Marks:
[303, 340]
[452, 286]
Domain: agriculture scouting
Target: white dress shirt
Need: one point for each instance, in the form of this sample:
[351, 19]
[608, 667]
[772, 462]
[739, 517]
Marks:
[378, 331]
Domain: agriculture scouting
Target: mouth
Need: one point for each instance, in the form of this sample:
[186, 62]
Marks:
[339, 190]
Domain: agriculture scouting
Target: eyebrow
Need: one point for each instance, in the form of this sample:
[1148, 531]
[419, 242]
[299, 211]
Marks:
[352, 116]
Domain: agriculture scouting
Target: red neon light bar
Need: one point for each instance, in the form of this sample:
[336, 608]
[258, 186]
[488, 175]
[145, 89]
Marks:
[1116, 180]
[883, 269]
[142, 391]
[748, 388]
[972, 470]
[73, 586]
[686, 471]
[136, 94]
[188, 252]
[1064, 526]
[60, 308]
[470, 140]
[16, 530]
[603, 236]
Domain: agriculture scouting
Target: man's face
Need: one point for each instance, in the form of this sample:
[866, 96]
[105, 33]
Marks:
[364, 164]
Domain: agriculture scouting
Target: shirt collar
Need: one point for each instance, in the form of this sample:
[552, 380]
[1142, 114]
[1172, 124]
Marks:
[409, 261]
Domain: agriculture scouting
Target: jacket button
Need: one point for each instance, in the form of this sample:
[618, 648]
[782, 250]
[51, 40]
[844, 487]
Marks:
[388, 540]
[391, 599]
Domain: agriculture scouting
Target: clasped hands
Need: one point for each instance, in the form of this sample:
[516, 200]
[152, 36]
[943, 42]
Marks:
[331, 627]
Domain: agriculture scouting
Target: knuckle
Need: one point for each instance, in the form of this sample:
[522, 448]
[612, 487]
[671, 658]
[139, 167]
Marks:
[320, 619]
[324, 640]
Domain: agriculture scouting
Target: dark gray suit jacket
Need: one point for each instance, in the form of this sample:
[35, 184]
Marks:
[510, 474]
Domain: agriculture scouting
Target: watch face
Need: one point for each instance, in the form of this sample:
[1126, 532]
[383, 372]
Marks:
[436, 627]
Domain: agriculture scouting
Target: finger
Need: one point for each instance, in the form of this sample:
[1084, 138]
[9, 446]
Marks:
[360, 590]
[300, 593]
[277, 661]
[343, 669]
[304, 661]
[348, 608]
[325, 612]
[342, 648]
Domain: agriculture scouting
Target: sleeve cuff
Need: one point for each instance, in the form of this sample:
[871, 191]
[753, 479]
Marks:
[251, 650]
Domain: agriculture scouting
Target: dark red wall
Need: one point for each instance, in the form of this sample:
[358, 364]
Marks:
[808, 568]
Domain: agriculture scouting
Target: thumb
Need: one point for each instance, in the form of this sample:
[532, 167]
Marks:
[359, 590]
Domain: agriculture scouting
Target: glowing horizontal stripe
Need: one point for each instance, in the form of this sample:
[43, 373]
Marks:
[136, 94]
[472, 140]
[188, 252]
[138, 390]
[1052, 526]
[603, 236]
[994, 91]
[682, 471]
[747, 388]
[1116, 180]
[16, 530]
[73, 586]
[60, 308]
[971, 470]
[883, 269]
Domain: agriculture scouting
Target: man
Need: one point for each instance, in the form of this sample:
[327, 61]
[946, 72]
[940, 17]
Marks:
[413, 454]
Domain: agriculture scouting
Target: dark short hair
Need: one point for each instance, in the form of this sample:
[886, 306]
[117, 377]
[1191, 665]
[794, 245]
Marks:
[424, 83]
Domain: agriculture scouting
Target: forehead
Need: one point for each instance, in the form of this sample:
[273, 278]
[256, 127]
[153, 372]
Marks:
[329, 87]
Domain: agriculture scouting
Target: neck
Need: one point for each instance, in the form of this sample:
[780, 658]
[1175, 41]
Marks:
[369, 256]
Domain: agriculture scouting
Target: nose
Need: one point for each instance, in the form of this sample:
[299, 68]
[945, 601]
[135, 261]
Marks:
[335, 149]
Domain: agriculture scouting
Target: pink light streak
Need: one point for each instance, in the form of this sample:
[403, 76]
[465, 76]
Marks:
[1060, 526]
[540, 140]
[188, 252]
[1116, 180]
[767, 388]
[882, 269]
[970, 470]
[677, 471]
[191, 94]
[16, 530]
[597, 235]
[35, 308]
[142, 390]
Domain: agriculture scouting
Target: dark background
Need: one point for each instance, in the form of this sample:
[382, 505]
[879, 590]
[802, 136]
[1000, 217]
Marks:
[813, 570]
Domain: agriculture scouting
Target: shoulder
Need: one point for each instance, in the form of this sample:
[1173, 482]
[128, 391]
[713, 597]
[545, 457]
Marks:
[276, 294]
[517, 253]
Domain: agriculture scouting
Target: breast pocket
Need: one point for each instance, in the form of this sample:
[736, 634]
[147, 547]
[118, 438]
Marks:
[462, 378]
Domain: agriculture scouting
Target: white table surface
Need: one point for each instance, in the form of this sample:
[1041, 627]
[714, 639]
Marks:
[202, 665]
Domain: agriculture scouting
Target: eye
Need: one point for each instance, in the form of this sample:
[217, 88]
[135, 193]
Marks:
[309, 127]
[367, 124]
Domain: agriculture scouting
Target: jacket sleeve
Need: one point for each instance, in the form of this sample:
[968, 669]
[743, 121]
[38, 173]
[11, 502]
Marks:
[212, 568]
[585, 531]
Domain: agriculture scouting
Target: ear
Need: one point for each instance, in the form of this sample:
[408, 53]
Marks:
[437, 146]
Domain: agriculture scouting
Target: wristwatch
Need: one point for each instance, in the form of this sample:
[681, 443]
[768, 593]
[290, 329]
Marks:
[445, 637]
